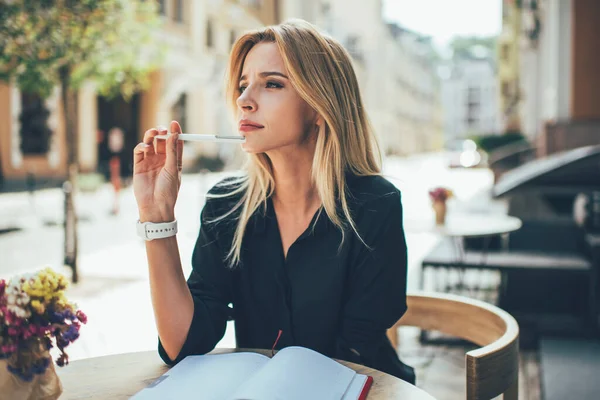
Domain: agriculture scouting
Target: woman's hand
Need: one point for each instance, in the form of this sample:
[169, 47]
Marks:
[157, 174]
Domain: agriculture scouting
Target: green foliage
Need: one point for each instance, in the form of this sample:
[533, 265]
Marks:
[108, 41]
[489, 143]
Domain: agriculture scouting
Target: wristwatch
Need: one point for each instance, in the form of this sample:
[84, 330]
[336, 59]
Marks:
[150, 231]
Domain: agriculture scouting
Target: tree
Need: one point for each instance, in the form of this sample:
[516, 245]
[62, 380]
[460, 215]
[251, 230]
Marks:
[50, 43]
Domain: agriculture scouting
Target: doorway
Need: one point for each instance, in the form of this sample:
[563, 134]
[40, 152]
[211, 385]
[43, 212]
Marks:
[118, 113]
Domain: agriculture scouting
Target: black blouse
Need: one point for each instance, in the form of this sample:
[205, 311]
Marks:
[322, 296]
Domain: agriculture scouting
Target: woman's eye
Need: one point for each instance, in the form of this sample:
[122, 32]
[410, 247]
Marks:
[242, 88]
[272, 85]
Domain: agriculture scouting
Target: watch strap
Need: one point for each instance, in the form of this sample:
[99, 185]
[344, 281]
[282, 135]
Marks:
[150, 231]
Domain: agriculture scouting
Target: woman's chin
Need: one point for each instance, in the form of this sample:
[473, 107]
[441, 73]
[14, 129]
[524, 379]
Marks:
[248, 148]
[254, 146]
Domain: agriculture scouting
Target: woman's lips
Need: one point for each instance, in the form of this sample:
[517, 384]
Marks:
[249, 128]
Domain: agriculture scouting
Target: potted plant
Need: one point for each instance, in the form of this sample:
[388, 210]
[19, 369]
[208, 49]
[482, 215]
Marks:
[35, 316]
[439, 196]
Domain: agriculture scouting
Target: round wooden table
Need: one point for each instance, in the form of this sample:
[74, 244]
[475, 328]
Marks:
[121, 376]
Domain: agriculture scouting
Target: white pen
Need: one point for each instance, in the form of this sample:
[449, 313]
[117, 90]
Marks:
[206, 138]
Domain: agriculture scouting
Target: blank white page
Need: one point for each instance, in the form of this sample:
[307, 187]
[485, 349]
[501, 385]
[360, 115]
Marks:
[210, 377]
[297, 373]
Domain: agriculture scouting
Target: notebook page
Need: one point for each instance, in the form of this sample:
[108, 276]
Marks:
[297, 373]
[210, 377]
[355, 387]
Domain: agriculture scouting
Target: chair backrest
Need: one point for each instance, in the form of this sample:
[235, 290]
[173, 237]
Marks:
[492, 369]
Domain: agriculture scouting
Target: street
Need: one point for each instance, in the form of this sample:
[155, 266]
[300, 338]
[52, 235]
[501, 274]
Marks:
[114, 290]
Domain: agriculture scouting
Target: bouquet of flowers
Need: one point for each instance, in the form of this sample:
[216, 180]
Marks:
[35, 316]
[440, 194]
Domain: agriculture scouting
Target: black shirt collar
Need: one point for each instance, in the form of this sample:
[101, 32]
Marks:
[265, 214]
[264, 218]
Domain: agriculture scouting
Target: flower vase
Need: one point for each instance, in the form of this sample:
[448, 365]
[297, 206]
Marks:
[45, 386]
[440, 212]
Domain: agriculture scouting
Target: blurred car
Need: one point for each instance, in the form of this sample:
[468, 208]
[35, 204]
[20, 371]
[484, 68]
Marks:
[464, 153]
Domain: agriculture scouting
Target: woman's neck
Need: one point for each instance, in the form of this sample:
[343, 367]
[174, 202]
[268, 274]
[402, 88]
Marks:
[295, 191]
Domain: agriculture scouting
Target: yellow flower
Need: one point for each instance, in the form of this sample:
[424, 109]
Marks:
[45, 287]
[38, 307]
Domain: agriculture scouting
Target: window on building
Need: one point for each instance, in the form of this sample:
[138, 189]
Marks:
[505, 11]
[505, 89]
[232, 37]
[473, 94]
[35, 133]
[505, 52]
[178, 111]
[254, 3]
[178, 10]
[209, 34]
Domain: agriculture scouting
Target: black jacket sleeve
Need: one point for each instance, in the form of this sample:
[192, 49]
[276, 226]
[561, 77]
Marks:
[210, 285]
[376, 288]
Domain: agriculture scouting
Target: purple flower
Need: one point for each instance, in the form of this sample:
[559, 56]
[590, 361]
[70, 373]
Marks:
[62, 360]
[55, 317]
[8, 349]
[61, 342]
[72, 333]
[81, 316]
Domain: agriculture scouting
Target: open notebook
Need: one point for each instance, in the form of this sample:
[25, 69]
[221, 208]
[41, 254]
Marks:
[293, 373]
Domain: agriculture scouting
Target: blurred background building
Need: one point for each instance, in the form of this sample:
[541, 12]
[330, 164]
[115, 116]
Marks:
[508, 66]
[395, 67]
[469, 95]
[538, 77]
[556, 87]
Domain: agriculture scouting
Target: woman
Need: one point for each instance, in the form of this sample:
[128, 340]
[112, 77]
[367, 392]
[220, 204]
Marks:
[306, 248]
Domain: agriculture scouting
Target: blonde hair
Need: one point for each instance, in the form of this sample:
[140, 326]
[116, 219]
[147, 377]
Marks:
[321, 71]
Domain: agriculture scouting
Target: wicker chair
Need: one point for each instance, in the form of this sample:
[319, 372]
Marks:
[492, 369]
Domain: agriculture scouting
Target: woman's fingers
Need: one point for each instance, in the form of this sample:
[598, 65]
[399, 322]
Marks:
[174, 148]
[151, 146]
[171, 163]
[160, 145]
[175, 127]
[139, 152]
[149, 136]
[179, 155]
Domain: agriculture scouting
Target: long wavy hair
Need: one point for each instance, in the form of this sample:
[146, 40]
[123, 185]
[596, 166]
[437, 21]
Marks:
[321, 71]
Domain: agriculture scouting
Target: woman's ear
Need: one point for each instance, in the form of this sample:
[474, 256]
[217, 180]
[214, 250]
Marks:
[319, 121]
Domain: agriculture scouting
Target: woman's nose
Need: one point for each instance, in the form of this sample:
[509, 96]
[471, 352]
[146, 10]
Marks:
[246, 102]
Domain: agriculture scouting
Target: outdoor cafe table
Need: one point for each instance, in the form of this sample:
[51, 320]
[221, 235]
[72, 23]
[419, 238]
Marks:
[121, 376]
[467, 225]
[450, 253]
